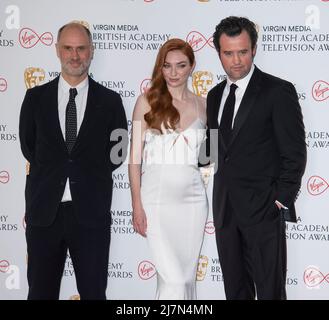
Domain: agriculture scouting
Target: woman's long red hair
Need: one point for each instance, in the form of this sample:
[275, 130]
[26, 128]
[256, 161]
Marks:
[158, 96]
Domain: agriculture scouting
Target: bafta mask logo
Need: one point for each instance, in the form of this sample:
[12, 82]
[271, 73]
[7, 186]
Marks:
[202, 268]
[33, 77]
[75, 297]
[202, 82]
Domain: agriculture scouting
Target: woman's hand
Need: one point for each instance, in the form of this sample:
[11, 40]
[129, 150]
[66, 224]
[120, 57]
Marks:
[139, 220]
[206, 173]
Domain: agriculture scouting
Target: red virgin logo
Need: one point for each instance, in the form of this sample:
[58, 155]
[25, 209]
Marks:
[145, 85]
[28, 38]
[146, 270]
[4, 266]
[3, 84]
[197, 40]
[320, 90]
[209, 227]
[316, 185]
[4, 177]
[313, 277]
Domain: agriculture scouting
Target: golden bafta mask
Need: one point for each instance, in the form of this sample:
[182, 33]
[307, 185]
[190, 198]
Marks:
[75, 297]
[33, 77]
[202, 82]
[202, 268]
[84, 23]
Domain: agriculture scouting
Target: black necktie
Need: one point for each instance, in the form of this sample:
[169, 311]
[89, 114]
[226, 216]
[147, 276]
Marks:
[225, 126]
[71, 121]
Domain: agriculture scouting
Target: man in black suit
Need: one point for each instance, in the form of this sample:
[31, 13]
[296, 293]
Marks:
[68, 129]
[260, 162]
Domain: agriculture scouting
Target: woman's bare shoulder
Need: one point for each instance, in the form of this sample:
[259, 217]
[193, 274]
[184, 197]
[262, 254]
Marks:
[142, 105]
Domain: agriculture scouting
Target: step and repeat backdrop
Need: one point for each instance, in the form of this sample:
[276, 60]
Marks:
[293, 44]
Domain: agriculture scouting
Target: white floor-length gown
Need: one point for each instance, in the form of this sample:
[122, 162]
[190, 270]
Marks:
[175, 202]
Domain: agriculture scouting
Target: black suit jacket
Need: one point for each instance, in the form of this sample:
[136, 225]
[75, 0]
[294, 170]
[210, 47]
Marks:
[266, 156]
[89, 166]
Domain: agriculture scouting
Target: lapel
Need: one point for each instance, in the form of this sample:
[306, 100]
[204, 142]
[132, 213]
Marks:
[247, 103]
[215, 99]
[216, 105]
[51, 112]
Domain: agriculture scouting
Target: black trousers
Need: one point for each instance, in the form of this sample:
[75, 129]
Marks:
[47, 250]
[253, 258]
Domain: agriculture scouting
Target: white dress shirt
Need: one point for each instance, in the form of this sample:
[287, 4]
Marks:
[81, 102]
[239, 92]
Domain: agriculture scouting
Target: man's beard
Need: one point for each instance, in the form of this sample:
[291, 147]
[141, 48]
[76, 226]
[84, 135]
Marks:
[76, 72]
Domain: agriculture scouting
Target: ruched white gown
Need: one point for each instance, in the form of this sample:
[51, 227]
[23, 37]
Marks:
[175, 202]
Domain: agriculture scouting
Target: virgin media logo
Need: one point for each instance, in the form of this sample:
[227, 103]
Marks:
[197, 40]
[145, 85]
[320, 90]
[3, 84]
[4, 177]
[28, 38]
[209, 227]
[313, 277]
[146, 270]
[4, 266]
[316, 185]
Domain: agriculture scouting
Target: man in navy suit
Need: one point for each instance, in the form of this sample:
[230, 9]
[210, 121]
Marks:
[68, 128]
[260, 162]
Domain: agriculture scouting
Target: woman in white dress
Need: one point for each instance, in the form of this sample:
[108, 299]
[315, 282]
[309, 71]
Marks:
[169, 200]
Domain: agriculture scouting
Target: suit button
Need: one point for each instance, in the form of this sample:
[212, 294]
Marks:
[226, 159]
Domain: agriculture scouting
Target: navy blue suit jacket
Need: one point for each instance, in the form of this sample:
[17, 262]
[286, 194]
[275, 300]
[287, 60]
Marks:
[266, 156]
[89, 166]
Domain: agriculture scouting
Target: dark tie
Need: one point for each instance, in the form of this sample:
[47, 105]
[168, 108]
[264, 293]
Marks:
[71, 121]
[225, 126]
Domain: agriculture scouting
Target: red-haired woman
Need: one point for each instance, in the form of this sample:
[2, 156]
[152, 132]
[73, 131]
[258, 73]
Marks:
[169, 200]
